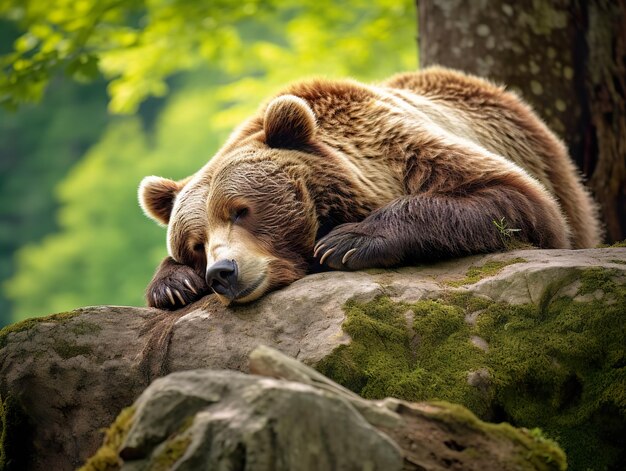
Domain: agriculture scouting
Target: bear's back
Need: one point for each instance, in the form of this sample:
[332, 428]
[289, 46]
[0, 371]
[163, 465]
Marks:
[370, 125]
[497, 120]
[505, 125]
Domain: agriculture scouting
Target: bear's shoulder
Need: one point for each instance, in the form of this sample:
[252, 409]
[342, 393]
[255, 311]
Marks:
[443, 82]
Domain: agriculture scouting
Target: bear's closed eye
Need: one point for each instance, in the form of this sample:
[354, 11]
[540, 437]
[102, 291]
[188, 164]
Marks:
[239, 214]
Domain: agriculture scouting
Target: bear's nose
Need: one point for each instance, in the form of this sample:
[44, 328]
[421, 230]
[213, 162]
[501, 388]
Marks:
[221, 277]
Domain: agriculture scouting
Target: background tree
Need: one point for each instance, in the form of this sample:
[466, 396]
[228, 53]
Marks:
[566, 57]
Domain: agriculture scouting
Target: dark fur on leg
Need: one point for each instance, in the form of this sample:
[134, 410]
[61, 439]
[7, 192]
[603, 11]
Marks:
[434, 226]
[175, 285]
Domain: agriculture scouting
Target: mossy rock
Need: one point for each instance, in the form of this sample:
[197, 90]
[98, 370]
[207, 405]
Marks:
[475, 274]
[107, 457]
[28, 324]
[559, 365]
[236, 421]
[534, 449]
[534, 364]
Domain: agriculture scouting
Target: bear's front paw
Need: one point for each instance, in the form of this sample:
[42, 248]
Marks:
[352, 247]
[174, 287]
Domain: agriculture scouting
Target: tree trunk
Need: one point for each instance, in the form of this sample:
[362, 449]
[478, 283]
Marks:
[567, 58]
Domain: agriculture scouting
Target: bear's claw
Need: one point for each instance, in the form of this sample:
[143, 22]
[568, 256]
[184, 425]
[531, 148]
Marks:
[346, 255]
[186, 281]
[174, 286]
[326, 254]
[351, 247]
[317, 249]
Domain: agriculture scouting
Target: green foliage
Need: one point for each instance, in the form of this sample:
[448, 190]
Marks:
[504, 230]
[507, 235]
[236, 54]
[138, 44]
[37, 147]
[106, 250]
[559, 365]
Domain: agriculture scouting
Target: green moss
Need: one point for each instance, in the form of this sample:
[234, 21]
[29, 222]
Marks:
[64, 348]
[621, 262]
[107, 457]
[173, 449]
[594, 279]
[67, 349]
[380, 363]
[618, 244]
[16, 436]
[387, 357]
[534, 450]
[559, 365]
[475, 274]
[84, 328]
[30, 323]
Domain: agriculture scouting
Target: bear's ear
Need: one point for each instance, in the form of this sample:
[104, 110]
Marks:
[156, 197]
[289, 122]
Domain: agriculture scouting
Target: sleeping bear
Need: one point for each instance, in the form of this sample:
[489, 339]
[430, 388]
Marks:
[347, 176]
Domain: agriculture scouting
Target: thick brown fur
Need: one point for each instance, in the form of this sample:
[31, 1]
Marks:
[416, 168]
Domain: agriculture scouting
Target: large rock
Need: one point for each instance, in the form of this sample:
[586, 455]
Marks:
[532, 337]
[229, 420]
[208, 419]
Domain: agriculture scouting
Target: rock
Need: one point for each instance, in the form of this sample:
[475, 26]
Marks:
[550, 323]
[208, 419]
[251, 423]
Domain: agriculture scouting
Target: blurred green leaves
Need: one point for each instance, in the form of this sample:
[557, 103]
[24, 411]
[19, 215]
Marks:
[213, 62]
[138, 44]
[58, 35]
[105, 249]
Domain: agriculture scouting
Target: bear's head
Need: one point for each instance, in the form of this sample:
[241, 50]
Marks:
[246, 221]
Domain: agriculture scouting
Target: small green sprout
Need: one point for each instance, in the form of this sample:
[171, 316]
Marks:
[506, 232]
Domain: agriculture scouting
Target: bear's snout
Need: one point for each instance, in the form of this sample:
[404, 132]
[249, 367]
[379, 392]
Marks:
[221, 277]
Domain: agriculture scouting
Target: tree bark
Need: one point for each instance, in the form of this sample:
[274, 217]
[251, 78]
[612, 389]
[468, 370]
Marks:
[567, 58]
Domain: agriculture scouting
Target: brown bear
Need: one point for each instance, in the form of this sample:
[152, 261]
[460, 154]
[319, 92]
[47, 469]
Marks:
[348, 176]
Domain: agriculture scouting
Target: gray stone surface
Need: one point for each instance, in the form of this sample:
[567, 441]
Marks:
[267, 424]
[522, 283]
[218, 419]
[73, 375]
